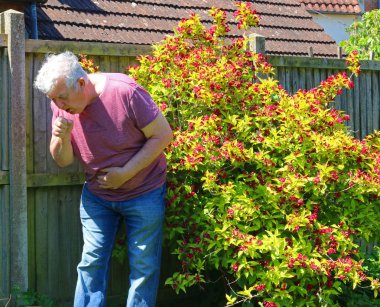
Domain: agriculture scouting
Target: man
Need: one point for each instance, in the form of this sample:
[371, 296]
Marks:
[111, 124]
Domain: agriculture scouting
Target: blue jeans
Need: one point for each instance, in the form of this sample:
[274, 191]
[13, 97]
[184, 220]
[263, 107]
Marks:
[144, 216]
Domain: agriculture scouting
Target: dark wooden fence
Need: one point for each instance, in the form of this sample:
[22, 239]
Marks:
[40, 238]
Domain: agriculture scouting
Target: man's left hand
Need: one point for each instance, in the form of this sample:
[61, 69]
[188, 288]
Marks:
[113, 178]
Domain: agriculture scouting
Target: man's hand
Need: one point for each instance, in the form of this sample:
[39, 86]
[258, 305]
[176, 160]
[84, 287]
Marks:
[113, 178]
[62, 127]
[60, 144]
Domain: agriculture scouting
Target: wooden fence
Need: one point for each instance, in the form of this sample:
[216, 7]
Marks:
[40, 239]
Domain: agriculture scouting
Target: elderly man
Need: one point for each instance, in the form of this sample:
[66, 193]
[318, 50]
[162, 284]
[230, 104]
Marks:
[111, 124]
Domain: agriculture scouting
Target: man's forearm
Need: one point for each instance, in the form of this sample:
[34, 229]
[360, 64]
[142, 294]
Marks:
[146, 155]
[61, 151]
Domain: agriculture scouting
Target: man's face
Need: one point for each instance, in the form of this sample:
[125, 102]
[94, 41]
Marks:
[68, 99]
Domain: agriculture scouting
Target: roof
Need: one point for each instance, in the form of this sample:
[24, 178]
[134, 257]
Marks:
[289, 29]
[333, 6]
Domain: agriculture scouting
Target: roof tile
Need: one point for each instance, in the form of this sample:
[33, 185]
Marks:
[289, 29]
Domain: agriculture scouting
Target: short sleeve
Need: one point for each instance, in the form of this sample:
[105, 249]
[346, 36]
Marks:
[144, 109]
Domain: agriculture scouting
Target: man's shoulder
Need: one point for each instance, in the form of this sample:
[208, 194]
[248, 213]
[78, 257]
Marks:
[121, 78]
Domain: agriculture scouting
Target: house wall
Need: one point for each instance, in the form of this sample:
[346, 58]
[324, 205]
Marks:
[335, 24]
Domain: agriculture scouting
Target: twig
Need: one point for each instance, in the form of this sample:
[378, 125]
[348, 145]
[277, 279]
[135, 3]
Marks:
[346, 189]
[10, 298]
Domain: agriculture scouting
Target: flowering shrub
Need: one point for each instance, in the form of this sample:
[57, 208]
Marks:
[269, 189]
[88, 64]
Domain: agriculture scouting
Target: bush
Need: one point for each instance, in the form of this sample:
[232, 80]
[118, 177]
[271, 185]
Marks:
[269, 189]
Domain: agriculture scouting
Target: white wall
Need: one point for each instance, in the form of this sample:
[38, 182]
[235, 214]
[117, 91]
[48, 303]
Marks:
[335, 24]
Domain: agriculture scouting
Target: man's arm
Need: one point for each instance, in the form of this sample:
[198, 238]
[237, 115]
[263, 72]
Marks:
[159, 135]
[60, 143]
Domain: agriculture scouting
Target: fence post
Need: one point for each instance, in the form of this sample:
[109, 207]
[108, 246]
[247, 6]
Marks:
[13, 25]
[257, 43]
[339, 52]
[310, 52]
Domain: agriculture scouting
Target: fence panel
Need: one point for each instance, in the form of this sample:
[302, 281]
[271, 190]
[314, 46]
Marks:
[4, 178]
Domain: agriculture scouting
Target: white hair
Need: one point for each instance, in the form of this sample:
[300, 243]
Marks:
[56, 66]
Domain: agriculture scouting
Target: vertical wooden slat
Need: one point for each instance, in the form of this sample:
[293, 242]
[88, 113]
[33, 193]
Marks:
[4, 121]
[104, 63]
[41, 241]
[31, 239]
[294, 82]
[349, 97]
[40, 124]
[310, 83]
[317, 77]
[287, 80]
[124, 63]
[5, 248]
[369, 106]
[114, 64]
[339, 104]
[363, 105]
[323, 74]
[357, 108]
[302, 78]
[53, 255]
[375, 100]
[281, 77]
[70, 250]
[29, 73]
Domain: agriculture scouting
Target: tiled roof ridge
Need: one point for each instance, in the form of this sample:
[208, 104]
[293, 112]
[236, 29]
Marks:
[285, 15]
[168, 4]
[319, 54]
[206, 7]
[299, 40]
[104, 26]
[278, 4]
[103, 12]
[137, 2]
[323, 9]
[291, 28]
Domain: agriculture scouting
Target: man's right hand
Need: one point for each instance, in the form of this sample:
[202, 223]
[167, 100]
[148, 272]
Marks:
[62, 127]
[60, 144]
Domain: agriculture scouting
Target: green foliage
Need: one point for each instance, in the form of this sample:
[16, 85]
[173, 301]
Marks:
[119, 251]
[372, 263]
[363, 296]
[269, 189]
[364, 36]
[31, 298]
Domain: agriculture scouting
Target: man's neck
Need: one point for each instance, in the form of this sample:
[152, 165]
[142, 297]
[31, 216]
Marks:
[96, 85]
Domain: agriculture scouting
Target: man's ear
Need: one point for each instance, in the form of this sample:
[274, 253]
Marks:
[81, 82]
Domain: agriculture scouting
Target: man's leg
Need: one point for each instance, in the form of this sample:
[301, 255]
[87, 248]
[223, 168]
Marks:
[99, 224]
[144, 218]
